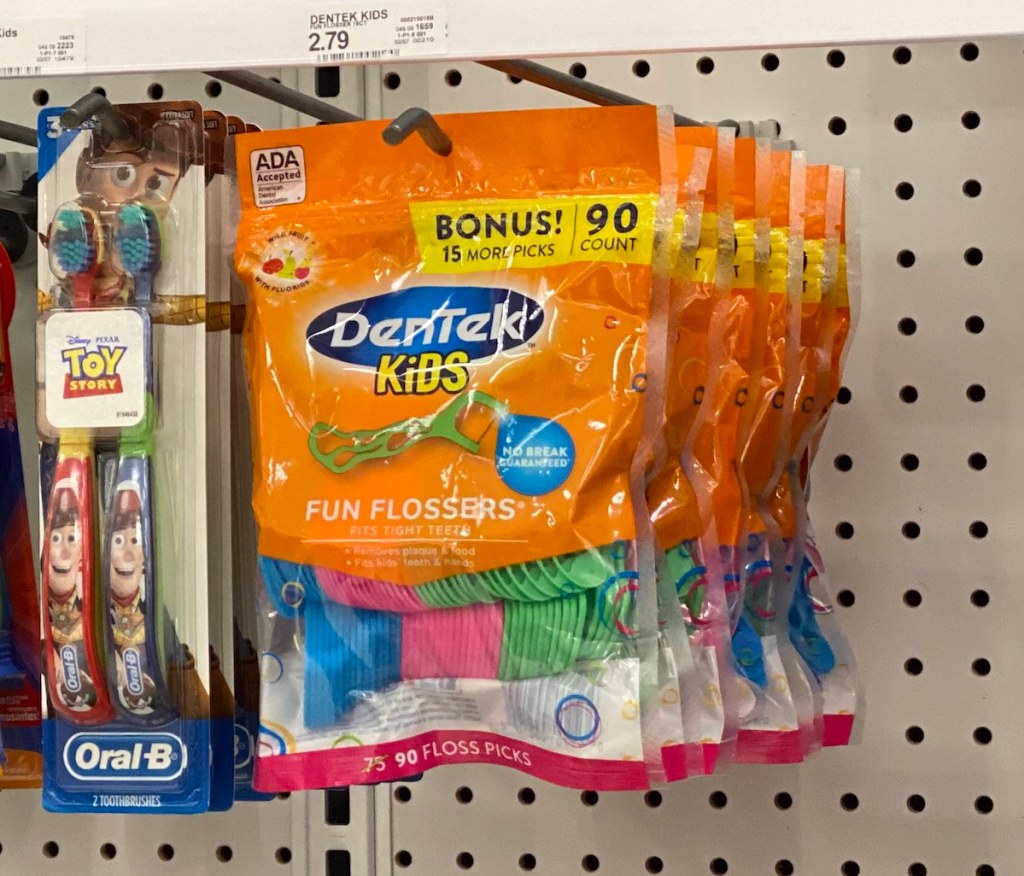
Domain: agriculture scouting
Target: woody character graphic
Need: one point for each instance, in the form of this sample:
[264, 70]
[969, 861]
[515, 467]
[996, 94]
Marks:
[127, 596]
[64, 599]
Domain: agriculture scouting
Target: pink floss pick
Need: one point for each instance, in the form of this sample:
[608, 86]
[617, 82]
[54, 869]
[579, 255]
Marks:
[362, 592]
[453, 642]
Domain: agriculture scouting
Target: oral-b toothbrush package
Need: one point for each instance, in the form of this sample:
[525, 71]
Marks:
[700, 277]
[218, 468]
[825, 328]
[20, 669]
[449, 358]
[121, 377]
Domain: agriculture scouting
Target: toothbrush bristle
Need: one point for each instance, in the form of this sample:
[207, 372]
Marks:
[74, 241]
[138, 239]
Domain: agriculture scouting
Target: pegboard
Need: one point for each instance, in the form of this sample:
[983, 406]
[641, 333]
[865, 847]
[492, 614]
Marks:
[914, 502]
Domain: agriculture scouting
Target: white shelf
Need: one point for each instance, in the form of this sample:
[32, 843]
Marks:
[147, 35]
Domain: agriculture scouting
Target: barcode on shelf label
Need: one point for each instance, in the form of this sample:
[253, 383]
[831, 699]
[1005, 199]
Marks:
[369, 31]
[31, 46]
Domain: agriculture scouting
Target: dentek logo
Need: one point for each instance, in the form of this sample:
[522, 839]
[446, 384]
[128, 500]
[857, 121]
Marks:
[92, 372]
[421, 339]
[125, 757]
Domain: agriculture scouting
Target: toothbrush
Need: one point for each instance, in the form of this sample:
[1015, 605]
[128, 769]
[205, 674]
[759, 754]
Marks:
[76, 249]
[136, 674]
[74, 670]
[137, 241]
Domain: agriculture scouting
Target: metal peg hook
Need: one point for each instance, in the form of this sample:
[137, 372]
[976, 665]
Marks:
[418, 120]
[282, 94]
[17, 133]
[96, 106]
[20, 204]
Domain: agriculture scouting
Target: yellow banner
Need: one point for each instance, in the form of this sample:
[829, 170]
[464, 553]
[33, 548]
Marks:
[460, 237]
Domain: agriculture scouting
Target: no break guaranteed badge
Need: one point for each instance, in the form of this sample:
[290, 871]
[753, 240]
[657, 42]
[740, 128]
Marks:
[95, 368]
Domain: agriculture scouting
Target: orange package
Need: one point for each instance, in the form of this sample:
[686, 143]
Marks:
[455, 366]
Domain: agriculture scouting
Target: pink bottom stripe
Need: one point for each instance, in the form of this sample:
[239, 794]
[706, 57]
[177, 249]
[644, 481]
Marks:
[769, 746]
[391, 761]
[838, 729]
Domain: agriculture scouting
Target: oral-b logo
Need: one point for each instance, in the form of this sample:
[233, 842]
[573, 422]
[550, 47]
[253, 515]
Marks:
[420, 340]
[69, 659]
[132, 671]
[125, 757]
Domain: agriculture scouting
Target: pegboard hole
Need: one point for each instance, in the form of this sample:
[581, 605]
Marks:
[975, 325]
[910, 462]
[837, 125]
[911, 529]
[392, 81]
[905, 258]
[100, 90]
[843, 462]
[224, 854]
[283, 855]
[214, 88]
[985, 870]
[976, 392]
[784, 868]
[284, 795]
[403, 859]
[984, 804]
[578, 70]
[982, 735]
[850, 868]
[971, 188]
[641, 69]
[969, 52]
[453, 78]
[978, 529]
[770, 62]
[849, 802]
[527, 862]
[653, 799]
[589, 798]
[914, 735]
[464, 861]
[50, 849]
[836, 58]
[977, 461]
[907, 326]
[526, 796]
[981, 667]
[705, 65]
[40, 97]
[912, 598]
[844, 396]
[905, 191]
[783, 800]
[165, 852]
[654, 865]
[719, 866]
[515, 80]
[970, 120]
[155, 91]
[908, 394]
[917, 869]
[403, 794]
[902, 55]
[903, 123]
[464, 794]
[108, 851]
[913, 666]
[718, 799]
[916, 803]
[846, 598]
[973, 256]
[980, 598]
[591, 863]
[844, 530]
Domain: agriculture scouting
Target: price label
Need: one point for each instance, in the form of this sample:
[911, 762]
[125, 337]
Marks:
[376, 31]
[32, 46]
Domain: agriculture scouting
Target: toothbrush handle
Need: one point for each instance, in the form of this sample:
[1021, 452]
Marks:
[136, 673]
[74, 670]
